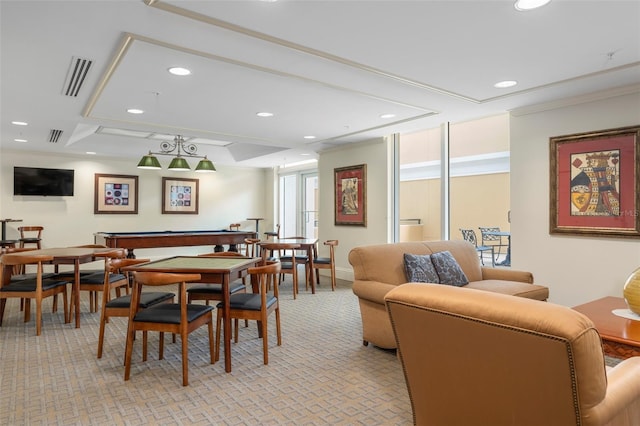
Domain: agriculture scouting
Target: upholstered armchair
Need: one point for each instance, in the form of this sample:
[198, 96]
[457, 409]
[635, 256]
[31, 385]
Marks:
[474, 357]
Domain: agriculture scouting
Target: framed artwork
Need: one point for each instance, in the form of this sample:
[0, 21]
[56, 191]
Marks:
[115, 194]
[179, 196]
[351, 195]
[595, 178]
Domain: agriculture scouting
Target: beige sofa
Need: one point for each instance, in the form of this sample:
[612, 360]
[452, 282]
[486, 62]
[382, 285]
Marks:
[520, 362]
[379, 268]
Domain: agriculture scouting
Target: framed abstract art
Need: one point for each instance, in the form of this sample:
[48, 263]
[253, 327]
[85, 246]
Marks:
[115, 194]
[179, 196]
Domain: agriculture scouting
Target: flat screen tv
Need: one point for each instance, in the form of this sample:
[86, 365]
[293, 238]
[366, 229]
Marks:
[40, 181]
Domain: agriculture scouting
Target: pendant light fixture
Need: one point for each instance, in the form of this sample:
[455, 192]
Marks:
[179, 162]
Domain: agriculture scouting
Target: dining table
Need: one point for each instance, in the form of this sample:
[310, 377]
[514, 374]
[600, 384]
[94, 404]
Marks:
[308, 245]
[69, 256]
[219, 270]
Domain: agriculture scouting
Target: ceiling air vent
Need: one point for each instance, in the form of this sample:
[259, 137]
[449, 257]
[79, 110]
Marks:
[54, 135]
[76, 75]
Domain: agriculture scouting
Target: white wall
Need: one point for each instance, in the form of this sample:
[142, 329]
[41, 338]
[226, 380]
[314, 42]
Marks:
[228, 196]
[374, 155]
[576, 268]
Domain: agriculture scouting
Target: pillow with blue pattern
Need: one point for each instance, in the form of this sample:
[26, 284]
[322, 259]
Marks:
[448, 269]
[419, 269]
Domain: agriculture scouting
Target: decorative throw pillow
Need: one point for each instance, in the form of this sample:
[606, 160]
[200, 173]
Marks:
[419, 269]
[449, 271]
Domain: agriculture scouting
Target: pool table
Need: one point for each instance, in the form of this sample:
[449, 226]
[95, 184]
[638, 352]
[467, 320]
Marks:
[156, 239]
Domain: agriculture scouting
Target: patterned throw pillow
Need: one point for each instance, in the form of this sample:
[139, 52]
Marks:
[448, 269]
[419, 269]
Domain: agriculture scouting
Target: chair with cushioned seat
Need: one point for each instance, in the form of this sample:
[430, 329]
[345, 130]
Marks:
[180, 318]
[120, 306]
[37, 288]
[327, 263]
[273, 235]
[301, 259]
[470, 236]
[213, 291]
[289, 267]
[255, 306]
[473, 357]
[94, 282]
[30, 235]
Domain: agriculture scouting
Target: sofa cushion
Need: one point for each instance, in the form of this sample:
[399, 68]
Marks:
[420, 269]
[512, 288]
[449, 271]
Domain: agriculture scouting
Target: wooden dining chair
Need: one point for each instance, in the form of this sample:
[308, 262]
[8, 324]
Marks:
[251, 247]
[289, 267]
[31, 235]
[302, 258]
[327, 263]
[181, 318]
[120, 306]
[37, 288]
[273, 235]
[213, 291]
[255, 306]
[70, 274]
[94, 283]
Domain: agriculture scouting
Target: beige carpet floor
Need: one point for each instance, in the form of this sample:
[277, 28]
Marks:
[321, 375]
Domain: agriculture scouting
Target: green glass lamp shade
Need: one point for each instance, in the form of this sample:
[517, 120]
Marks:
[179, 164]
[149, 162]
[205, 165]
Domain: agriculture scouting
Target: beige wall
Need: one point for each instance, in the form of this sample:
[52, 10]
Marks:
[375, 155]
[576, 268]
[71, 220]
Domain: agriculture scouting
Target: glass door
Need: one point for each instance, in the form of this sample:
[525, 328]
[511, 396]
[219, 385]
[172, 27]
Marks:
[298, 212]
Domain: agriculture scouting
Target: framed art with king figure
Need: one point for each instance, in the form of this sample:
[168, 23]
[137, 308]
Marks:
[350, 195]
[595, 178]
[179, 196]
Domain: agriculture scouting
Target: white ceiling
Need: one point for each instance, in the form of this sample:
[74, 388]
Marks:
[323, 68]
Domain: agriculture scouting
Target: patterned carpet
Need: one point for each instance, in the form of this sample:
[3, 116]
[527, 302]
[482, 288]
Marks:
[322, 374]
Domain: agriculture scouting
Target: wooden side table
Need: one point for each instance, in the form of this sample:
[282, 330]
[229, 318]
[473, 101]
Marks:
[620, 336]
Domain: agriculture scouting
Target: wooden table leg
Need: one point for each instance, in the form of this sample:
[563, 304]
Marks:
[227, 323]
[76, 290]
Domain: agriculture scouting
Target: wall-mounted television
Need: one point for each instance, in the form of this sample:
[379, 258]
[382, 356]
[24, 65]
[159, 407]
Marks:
[40, 181]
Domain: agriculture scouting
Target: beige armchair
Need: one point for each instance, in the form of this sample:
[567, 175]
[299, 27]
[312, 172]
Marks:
[474, 357]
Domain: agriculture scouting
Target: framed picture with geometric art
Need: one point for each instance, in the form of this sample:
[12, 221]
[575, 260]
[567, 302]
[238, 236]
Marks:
[179, 196]
[115, 194]
[594, 182]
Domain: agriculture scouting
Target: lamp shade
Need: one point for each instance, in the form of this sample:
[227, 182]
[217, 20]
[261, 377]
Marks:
[149, 162]
[205, 166]
[179, 164]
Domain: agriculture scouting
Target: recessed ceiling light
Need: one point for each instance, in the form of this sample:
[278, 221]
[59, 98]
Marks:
[19, 123]
[506, 83]
[91, 153]
[523, 5]
[264, 114]
[309, 137]
[179, 71]
[387, 115]
[135, 111]
[20, 140]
